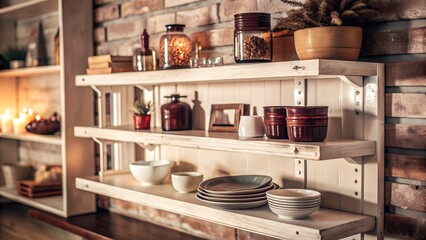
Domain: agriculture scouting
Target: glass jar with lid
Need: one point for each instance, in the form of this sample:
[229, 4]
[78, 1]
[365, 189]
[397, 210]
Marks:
[176, 115]
[252, 37]
[175, 48]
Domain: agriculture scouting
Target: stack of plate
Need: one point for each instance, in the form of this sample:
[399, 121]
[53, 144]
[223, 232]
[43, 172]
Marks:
[293, 203]
[236, 192]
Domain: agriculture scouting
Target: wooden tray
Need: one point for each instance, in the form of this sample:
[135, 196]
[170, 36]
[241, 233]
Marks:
[31, 189]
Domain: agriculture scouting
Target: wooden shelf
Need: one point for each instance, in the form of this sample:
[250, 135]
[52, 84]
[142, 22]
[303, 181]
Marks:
[30, 137]
[28, 9]
[104, 225]
[330, 149]
[318, 68]
[53, 204]
[323, 224]
[31, 71]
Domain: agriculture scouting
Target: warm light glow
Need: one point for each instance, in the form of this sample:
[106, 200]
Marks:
[6, 122]
[25, 110]
[38, 117]
[18, 126]
[30, 112]
[7, 112]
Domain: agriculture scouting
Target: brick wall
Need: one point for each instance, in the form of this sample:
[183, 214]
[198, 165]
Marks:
[396, 36]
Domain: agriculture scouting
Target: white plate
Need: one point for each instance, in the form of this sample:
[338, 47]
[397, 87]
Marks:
[240, 192]
[221, 185]
[241, 205]
[294, 194]
[248, 199]
[243, 195]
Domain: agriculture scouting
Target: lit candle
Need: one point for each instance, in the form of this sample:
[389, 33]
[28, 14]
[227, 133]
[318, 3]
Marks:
[31, 115]
[38, 118]
[19, 126]
[6, 122]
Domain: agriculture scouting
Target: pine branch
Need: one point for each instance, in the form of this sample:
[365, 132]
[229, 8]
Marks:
[335, 18]
[292, 3]
[344, 5]
[349, 14]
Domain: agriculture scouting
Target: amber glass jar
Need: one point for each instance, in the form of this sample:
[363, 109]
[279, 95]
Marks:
[175, 48]
[144, 58]
[175, 115]
[252, 37]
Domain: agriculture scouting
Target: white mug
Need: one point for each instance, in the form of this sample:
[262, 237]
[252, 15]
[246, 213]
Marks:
[251, 126]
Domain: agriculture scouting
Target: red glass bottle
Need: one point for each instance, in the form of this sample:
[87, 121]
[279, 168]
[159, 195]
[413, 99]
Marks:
[175, 115]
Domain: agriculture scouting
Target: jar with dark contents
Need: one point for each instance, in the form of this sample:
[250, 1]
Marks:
[176, 115]
[252, 37]
[175, 48]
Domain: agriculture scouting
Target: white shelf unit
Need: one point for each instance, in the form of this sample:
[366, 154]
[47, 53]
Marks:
[73, 60]
[30, 137]
[362, 145]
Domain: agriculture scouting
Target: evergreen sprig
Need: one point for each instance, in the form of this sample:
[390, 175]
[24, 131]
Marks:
[15, 54]
[317, 13]
[141, 107]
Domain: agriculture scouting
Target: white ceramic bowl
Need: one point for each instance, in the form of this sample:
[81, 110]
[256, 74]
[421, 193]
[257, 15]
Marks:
[293, 214]
[150, 172]
[186, 181]
[294, 194]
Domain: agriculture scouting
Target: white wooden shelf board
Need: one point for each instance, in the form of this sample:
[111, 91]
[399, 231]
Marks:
[318, 68]
[323, 224]
[53, 204]
[329, 149]
[30, 137]
[31, 71]
[28, 9]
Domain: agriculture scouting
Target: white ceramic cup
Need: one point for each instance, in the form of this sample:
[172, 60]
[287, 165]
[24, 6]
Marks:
[186, 181]
[251, 126]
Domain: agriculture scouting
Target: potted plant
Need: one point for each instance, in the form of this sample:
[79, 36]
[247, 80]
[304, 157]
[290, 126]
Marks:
[141, 114]
[16, 57]
[327, 29]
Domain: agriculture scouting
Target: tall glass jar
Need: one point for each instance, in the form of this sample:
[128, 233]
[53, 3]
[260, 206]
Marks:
[144, 58]
[175, 48]
[176, 115]
[252, 37]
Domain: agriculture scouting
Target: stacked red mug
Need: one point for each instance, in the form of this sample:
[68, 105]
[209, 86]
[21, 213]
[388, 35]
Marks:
[307, 123]
[275, 122]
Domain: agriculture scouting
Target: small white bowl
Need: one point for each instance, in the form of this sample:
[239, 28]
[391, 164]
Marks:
[150, 172]
[186, 181]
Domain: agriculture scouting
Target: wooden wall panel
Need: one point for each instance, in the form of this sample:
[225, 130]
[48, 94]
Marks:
[403, 166]
[405, 196]
[405, 136]
[402, 225]
[411, 105]
[394, 42]
[397, 74]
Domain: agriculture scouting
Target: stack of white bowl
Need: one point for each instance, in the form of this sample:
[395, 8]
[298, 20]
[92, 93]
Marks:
[293, 203]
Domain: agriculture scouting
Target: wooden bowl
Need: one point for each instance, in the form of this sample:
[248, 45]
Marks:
[332, 42]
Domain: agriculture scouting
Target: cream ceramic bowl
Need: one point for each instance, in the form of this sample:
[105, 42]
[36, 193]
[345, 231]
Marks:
[186, 181]
[150, 172]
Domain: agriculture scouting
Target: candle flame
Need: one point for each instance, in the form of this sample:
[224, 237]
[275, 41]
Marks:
[25, 110]
[38, 117]
[30, 111]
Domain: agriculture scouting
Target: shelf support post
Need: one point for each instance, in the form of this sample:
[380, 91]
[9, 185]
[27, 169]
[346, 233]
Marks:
[99, 102]
[300, 170]
[300, 91]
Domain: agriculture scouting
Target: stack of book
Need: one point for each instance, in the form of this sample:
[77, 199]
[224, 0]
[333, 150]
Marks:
[104, 64]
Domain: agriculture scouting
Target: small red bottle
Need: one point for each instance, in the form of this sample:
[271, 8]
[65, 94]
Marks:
[175, 115]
